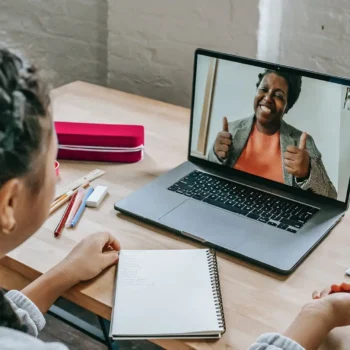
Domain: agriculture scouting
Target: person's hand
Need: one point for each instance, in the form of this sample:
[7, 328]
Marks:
[334, 288]
[223, 141]
[297, 159]
[334, 303]
[329, 309]
[91, 256]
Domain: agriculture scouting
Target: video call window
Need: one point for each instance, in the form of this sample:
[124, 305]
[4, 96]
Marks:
[283, 127]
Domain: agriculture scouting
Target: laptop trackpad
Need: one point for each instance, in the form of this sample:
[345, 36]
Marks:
[210, 224]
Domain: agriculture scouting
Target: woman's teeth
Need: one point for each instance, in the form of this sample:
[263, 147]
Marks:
[265, 109]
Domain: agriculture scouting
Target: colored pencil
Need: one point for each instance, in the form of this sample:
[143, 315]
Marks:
[75, 184]
[77, 202]
[65, 198]
[63, 220]
[82, 207]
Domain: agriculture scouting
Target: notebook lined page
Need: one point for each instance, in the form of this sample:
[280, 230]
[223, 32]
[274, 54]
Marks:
[162, 292]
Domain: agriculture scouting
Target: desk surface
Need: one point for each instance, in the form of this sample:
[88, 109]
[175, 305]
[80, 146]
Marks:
[255, 301]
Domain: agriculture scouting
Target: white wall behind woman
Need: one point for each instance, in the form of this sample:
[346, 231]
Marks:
[344, 150]
[318, 112]
[234, 94]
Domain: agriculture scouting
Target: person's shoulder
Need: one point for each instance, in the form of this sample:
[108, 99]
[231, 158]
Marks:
[294, 132]
[240, 123]
[291, 130]
[11, 339]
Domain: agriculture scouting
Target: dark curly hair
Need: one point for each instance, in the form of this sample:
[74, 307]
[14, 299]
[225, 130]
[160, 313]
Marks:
[25, 129]
[24, 104]
[293, 81]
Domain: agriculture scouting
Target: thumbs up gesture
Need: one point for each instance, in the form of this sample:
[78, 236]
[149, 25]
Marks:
[297, 159]
[223, 141]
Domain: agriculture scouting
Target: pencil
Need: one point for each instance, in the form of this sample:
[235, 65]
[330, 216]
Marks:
[63, 220]
[77, 201]
[82, 207]
[65, 198]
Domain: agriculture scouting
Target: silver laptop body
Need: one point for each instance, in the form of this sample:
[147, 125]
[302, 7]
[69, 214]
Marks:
[229, 209]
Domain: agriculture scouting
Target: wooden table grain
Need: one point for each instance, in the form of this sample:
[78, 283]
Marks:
[255, 300]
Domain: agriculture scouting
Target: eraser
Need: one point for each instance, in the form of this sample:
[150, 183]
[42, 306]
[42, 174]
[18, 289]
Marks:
[348, 272]
[96, 197]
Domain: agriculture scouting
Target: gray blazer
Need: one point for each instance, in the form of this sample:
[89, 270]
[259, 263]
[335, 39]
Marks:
[318, 181]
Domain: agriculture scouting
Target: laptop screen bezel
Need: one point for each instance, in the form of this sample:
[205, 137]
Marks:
[237, 173]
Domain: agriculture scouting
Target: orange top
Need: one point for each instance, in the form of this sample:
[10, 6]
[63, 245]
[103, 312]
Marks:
[261, 156]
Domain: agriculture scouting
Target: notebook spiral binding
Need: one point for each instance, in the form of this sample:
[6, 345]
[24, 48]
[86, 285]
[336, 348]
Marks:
[215, 284]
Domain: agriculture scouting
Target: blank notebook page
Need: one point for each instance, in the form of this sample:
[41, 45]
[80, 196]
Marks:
[164, 292]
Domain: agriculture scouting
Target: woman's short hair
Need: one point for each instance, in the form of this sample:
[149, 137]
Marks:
[293, 81]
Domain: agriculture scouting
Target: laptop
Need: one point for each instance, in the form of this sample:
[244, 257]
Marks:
[267, 174]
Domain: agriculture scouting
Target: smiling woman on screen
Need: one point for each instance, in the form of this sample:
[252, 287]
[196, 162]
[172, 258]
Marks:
[266, 146]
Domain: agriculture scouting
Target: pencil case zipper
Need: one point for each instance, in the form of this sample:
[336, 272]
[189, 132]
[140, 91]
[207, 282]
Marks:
[101, 149]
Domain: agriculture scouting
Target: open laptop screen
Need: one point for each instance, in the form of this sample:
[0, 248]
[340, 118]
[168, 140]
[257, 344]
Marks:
[273, 123]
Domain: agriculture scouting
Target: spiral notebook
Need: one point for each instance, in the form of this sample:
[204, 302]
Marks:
[167, 294]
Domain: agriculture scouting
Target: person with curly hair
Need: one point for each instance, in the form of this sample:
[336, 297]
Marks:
[28, 148]
[266, 146]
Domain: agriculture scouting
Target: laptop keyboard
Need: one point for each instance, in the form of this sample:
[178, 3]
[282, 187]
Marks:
[255, 204]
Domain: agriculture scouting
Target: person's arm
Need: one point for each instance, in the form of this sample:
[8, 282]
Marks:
[310, 327]
[92, 255]
[219, 152]
[44, 291]
[330, 309]
[318, 180]
[307, 331]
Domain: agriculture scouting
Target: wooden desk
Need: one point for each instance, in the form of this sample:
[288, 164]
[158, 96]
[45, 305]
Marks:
[255, 301]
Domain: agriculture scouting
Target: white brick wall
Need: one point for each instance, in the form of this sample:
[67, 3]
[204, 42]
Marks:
[146, 47]
[151, 44]
[66, 37]
[316, 35]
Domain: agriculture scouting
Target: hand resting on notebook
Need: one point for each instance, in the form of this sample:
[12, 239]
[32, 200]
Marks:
[101, 249]
[329, 309]
[87, 259]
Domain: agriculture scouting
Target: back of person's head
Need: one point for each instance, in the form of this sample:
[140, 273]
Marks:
[24, 103]
[25, 129]
[293, 81]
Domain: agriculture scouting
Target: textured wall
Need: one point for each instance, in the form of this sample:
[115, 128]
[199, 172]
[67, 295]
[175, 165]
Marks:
[316, 35]
[151, 44]
[67, 37]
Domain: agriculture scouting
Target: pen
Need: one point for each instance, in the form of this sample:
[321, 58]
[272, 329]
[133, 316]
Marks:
[82, 207]
[63, 220]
